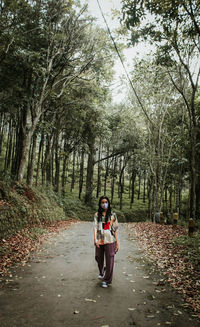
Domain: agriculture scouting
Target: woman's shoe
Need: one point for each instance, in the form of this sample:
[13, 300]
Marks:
[104, 284]
[100, 276]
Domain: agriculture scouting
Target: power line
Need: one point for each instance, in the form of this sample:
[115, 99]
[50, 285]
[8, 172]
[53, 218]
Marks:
[127, 74]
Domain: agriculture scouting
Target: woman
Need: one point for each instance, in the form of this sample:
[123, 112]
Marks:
[105, 240]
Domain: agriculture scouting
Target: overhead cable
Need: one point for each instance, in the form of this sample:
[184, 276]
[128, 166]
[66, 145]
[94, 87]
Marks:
[124, 67]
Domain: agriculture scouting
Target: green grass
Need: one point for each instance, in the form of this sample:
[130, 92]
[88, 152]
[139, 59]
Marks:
[34, 232]
[191, 246]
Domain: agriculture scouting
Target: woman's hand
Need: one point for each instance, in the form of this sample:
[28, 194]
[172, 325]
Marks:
[96, 243]
[116, 247]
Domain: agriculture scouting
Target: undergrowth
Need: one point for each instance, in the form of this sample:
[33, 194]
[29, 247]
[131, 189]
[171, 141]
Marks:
[190, 247]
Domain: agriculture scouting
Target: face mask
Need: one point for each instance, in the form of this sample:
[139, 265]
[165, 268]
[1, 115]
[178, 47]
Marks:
[104, 205]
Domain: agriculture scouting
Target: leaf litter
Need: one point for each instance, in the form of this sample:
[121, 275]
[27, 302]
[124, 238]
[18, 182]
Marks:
[18, 247]
[181, 272]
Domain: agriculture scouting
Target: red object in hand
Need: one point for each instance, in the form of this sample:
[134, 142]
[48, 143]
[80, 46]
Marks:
[107, 225]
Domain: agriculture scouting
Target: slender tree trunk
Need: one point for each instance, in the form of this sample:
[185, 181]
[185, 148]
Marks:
[193, 178]
[139, 186]
[51, 165]
[73, 171]
[10, 148]
[9, 140]
[144, 188]
[133, 177]
[113, 179]
[170, 201]
[150, 198]
[13, 151]
[43, 164]
[30, 169]
[166, 201]
[57, 163]
[1, 131]
[81, 176]
[39, 157]
[90, 170]
[121, 185]
[15, 157]
[106, 173]
[99, 173]
[180, 198]
[198, 197]
[129, 188]
[47, 161]
[123, 182]
[120, 168]
[64, 170]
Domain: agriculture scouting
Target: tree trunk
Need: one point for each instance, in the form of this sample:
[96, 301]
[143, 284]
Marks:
[73, 171]
[64, 170]
[9, 146]
[57, 163]
[30, 169]
[193, 177]
[133, 176]
[46, 167]
[198, 197]
[81, 176]
[170, 201]
[113, 179]
[121, 185]
[90, 171]
[99, 173]
[139, 185]
[120, 168]
[144, 188]
[1, 132]
[24, 139]
[106, 173]
[25, 145]
[150, 198]
[129, 188]
[39, 157]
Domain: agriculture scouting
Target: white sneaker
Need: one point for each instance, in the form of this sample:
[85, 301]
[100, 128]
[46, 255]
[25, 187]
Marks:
[100, 276]
[104, 284]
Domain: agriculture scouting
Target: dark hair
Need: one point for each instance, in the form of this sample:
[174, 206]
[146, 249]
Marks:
[100, 209]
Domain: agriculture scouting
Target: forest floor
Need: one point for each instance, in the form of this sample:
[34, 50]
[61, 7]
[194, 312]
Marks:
[57, 285]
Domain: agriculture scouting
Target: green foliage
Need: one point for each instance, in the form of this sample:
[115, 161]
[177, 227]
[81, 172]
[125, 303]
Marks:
[24, 206]
[190, 247]
[34, 232]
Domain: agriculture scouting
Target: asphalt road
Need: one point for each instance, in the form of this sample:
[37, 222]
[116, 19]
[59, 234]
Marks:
[59, 287]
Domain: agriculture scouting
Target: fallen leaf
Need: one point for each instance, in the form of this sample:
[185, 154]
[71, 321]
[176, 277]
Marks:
[90, 300]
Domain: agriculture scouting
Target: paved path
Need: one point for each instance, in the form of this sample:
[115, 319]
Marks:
[61, 278]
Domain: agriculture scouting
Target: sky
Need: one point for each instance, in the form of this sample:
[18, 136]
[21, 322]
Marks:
[107, 5]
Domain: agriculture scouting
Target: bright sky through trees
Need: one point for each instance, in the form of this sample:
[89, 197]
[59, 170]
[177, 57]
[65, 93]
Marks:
[118, 90]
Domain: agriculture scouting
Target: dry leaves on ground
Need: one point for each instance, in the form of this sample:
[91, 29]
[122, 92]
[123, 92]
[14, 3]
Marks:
[18, 247]
[174, 260]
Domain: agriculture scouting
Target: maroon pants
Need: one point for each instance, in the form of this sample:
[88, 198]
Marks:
[109, 251]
